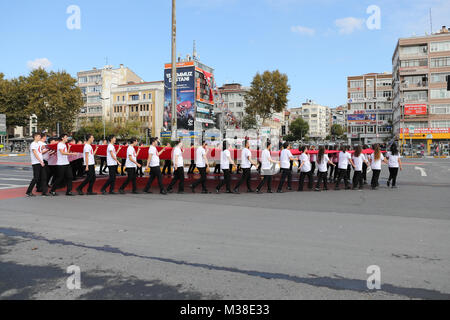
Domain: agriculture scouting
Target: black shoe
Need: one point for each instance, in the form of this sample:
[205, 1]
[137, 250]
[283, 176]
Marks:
[280, 191]
[103, 192]
[134, 192]
[300, 190]
[337, 188]
[121, 191]
[112, 192]
[192, 188]
[180, 192]
[53, 193]
[388, 183]
[44, 195]
[30, 195]
[259, 192]
[164, 192]
[348, 188]
[169, 191]
[229, 191]
[206, 192]
[317, 189]
[289, 189]
[217, 191]
[92, 193]
[80, 192]
[250, 191]
[236, 191]
[269, 191]
[69, 194]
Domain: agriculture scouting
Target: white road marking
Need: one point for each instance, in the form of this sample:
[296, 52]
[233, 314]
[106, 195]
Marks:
[10, 186]
[422, 171]
[13, 179]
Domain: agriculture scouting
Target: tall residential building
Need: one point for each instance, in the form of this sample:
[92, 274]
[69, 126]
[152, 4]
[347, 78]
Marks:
[233, 105]
[317, 116]
[369, 114]
[339, 116]
[142, 102]
[421, 100]
[96, 86]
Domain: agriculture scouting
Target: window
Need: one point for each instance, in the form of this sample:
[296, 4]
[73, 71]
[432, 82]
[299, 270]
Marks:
[414, 63]
[440, 109]
[358, 129]
[357, 106]
[440, 62]
[440, 94]
[82, 80]
[369, 83]
[93, 99]
[384, 117]
[134, 97]
[145, 96]
[439, 77]
[420, 96]
[356, 84]
[384, 130]
[413, 50]
[440, 46]
[440, 124]
[416, 125]
[384, 82]
[370, 94]
[118, 98]
[370, 129]
[356, 95]
[384, 94]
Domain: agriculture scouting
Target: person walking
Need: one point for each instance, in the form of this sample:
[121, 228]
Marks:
[305, 169]
[359, 159]
[178, 168]
[344, 159]
[375, 162]
[192, 166]
[226, 163]
[394, 164]
[154, 163]
[202, 165]
[323, 161]
[131, 164]
[64, 171]
[167, 168]
[246, 165]
[266, 169]
[113, 163]
[89, 163]
[38, 165]
[285, 159]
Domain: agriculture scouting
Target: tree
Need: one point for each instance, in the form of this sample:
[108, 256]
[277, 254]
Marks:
[14, 101]
[53, 98]
[267, 94]
[299, 128]
[249, 122]
[337, 130]
[97, 128]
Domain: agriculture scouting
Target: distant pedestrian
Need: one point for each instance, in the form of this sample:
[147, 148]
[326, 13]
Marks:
[225, 164]
[131, 164]
[375, 161]
[323, 161]
[38, 165]
[246, 165]
[267, 164]
[394, 164]
[202, 164]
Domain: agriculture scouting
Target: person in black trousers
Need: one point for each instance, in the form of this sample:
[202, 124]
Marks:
[103, 162]
[123, 161]
[246, 165]
[113, 163]
[167, 168]
[344, 159]
[178, 167]
[323, 162]
[139, 171]
[285, 164]
[266, 169]
[153, 162]
[202, 165]
[305, 169]
[192, 166]
[394, 163]
[39, 170]
[64, 171]
[226, 164]
[89, 163]
[364, 168]
[131, 165]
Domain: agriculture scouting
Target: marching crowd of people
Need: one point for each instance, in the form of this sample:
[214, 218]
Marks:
[55, 168]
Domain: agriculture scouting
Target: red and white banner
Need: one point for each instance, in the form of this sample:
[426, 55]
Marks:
[415, 109]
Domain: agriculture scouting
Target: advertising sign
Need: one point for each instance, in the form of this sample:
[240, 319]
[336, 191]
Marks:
[362, 117]
[415, 109]
[185, 97]
[425, 131]
[2, 125]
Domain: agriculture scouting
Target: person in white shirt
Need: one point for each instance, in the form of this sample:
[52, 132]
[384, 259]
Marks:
[154, 163]
[344, 159]
[202, 165]
[285, 166]
[131, 164]
[89, 163]
[178, 167]
[394, 163]
[375, 163]
[52, 158]
[305, 169]
[45, 155]
[225, 163]
[113, 163]
[313, 159]
[323, 161]
[103, 161]
[358, 159]
[64, 171]
[267, 164]
[37, 162]
[246, 165]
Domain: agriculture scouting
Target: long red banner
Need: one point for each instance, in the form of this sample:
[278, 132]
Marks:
[188, 153]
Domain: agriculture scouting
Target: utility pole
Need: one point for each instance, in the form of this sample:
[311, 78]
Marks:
[174, 70]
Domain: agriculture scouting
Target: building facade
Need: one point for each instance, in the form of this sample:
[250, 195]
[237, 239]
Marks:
[140, 102]
[369, 112]
[96, 86]
[231, 112]
[421, 99]
[317, 116]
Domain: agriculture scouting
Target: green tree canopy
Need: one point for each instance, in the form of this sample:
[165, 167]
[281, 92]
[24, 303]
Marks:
[14, 101]
[268, 94]
[337, 130]
[299, 128]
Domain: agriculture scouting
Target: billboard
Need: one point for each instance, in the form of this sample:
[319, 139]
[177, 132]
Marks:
[415, 109]
[362, 117]
[2, 125]
[185, 96]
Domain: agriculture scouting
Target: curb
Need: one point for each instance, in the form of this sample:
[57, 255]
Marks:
[13, 155]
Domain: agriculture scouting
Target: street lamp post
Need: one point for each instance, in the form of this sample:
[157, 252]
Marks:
[174, 70]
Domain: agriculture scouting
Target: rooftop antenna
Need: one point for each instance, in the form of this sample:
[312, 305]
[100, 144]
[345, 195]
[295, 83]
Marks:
[194, 53]
[431, 22]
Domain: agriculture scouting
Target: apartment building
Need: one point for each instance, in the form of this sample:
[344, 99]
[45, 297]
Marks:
[317, 116]
[421, 99]
[339, 116]
[96, 86]
[369, 108]
[233, 107]
[142, 102]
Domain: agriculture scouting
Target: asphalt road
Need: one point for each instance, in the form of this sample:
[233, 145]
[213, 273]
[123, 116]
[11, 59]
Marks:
[279, 246]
